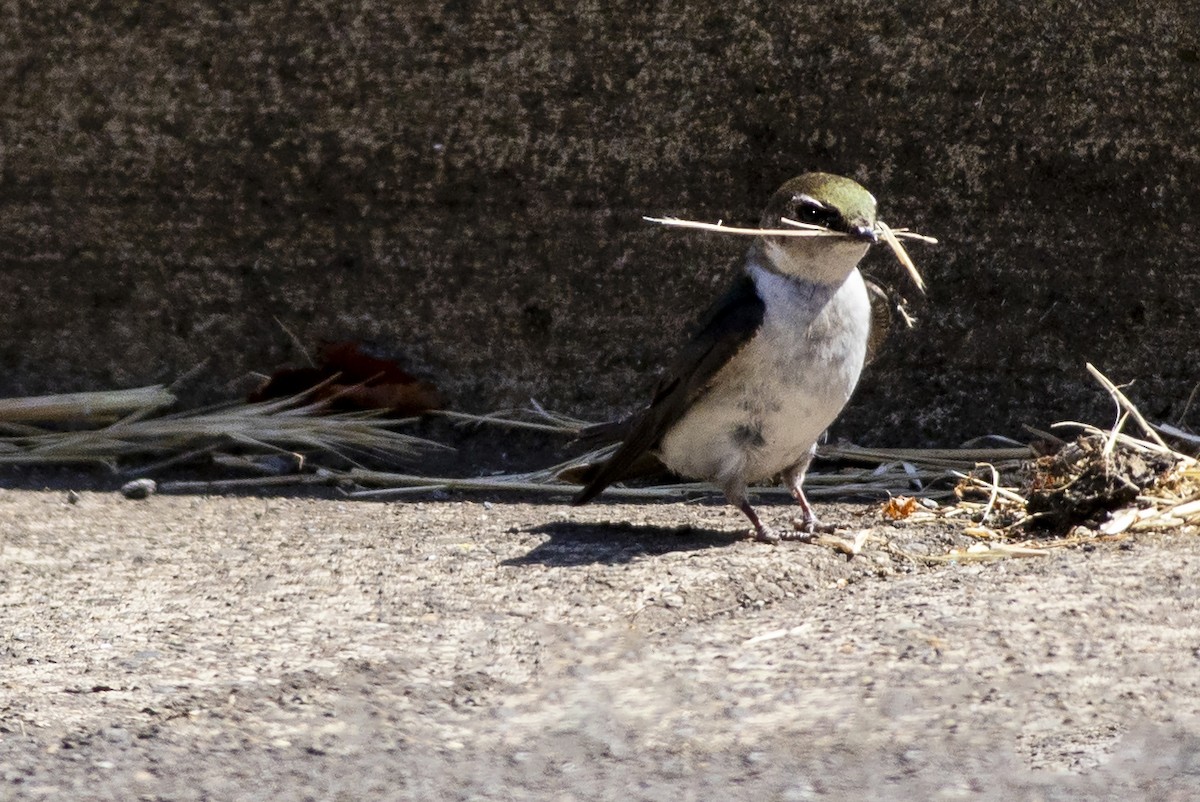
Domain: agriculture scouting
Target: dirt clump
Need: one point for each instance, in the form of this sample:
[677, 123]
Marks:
[1086, 480]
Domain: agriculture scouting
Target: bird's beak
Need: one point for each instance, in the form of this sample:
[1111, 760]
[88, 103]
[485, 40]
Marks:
[865, 233]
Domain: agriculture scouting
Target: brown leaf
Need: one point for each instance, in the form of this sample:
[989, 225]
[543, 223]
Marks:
[349, 379]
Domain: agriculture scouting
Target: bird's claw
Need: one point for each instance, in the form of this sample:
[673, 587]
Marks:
[804, 530]
[766, 535]
[807, 528]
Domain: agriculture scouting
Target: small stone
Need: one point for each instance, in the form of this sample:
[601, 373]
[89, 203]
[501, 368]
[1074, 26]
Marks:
[72, 497]
[116, 735]
[139, 488]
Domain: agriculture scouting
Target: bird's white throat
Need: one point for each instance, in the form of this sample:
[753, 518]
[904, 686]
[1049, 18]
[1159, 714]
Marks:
[824, 260]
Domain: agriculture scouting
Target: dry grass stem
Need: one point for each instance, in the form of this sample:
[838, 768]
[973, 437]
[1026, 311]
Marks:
[1126, 405]
[893, 241]
[285, 427]
[1125, 440]
[104, 405]
[799, 230]
[891, 236]
[995, 491]
[516, 419]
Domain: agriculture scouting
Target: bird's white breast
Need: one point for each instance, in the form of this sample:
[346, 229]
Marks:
[770, 403]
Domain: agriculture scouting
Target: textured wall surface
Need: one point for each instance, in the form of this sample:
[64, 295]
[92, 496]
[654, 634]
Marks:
[462, 186]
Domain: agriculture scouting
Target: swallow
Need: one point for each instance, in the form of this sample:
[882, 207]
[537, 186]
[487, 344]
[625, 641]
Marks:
[772, 363]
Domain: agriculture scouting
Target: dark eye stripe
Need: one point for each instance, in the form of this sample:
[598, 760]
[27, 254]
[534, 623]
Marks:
[815, 213]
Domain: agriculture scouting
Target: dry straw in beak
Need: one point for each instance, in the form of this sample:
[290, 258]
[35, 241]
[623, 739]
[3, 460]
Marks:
[891, 236]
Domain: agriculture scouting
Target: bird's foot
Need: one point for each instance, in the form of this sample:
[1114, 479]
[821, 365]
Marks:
[806, 528]
[765, 534]
[761, 533]
[801, 532]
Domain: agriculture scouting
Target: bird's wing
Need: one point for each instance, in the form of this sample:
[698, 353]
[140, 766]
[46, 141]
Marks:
[881, 319]
[724, 330]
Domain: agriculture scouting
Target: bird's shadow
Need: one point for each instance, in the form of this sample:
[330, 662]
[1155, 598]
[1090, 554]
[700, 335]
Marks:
[574, 543]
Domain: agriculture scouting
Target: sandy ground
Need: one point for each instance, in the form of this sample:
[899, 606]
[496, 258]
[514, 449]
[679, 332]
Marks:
[188, 647]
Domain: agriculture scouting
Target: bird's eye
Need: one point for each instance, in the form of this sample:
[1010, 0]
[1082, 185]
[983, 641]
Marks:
[808, 212]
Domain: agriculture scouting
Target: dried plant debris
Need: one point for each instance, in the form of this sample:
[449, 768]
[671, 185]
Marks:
[103, 405]
[349, 378]
[1005, 499]
[1086, 481]
[1103, 484]
[294, 427]
[1092, 488]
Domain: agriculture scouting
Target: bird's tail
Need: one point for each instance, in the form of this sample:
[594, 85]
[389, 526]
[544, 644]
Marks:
[589, 475]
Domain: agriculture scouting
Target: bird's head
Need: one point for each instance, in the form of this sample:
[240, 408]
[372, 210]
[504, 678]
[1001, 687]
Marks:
[829, 202]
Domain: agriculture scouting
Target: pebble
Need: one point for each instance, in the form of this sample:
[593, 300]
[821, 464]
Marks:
[139, 488]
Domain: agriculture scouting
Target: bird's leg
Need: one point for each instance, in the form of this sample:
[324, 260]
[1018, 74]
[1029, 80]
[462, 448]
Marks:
[761, 533]
[735, 493]
[807, 524]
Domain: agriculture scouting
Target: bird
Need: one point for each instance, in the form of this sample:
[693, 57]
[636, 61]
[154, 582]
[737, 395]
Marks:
[772, 363]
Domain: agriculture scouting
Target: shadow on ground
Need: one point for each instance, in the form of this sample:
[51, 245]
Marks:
[576, 543]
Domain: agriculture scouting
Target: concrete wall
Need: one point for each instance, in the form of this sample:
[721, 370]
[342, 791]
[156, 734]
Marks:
[462, 186]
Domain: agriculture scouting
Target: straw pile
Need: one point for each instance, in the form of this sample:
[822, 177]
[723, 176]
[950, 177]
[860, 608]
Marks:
[122, 427]
[1103, 485]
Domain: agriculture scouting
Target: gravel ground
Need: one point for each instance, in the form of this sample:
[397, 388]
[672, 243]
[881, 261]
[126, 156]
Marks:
[190, 647]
